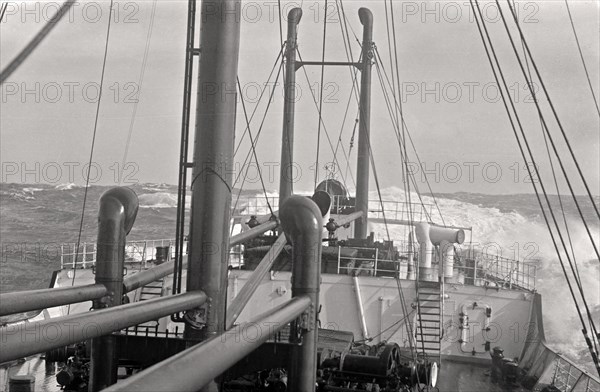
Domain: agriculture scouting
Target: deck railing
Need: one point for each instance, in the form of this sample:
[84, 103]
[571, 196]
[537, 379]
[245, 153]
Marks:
[393, 210]
[373, 266]
[135, 251]
[478, 269]
[400, 210]
[140, 252]
[544, 366]
[481, 270]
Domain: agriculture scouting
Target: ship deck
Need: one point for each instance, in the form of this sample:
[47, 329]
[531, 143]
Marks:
[36, 366]
[457, 376]
[454, 376]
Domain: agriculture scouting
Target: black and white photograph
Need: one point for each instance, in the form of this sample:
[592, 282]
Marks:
[300, 195]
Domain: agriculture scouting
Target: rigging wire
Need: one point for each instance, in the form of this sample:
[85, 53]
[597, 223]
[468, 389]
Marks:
[551, 161]
[256, 139]
[587, 75]
[87, 180]
[339, 140]
[324, 127]
[539, 76]
[389, 42]
[380, 62]
[401, 111]
[353, 91]
[321, 96]
[522, 151]
[401, 293]
[399, 284]
[3, 8]
[546, 126]
[139, 86]
[280, 24]
[39, 37]
[396, 131]
[253, 145]
[346, 22]
[385, 330]
[262, 93]
[536, 167]
[577, 281]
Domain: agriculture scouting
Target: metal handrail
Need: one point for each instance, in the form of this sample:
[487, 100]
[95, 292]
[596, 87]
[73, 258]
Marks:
[224, 351]
[21, 340]
[24, 301]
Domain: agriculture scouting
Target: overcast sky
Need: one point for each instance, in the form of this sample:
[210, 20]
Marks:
[452, 109]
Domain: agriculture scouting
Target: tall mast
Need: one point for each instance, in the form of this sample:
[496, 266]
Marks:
[363, 155]
[287, 139]
[213, 162]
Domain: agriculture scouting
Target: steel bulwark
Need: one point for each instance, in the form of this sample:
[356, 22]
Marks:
[302, 223]
[239, 302]
[116, 215]
[24, 301]
[363, 155]
[21, 340]
[193, 368]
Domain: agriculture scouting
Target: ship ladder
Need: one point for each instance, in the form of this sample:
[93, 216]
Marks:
[429, 320]
[150, 291]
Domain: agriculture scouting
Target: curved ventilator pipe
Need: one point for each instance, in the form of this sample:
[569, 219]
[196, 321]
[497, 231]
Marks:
[302, 223]
[118, 209]
[429, 235]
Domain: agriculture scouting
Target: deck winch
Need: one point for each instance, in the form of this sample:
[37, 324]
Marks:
[383, 367]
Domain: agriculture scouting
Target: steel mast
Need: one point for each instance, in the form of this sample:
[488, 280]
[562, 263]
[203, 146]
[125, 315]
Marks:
[213, 162]
[364, 147]
[286, 171]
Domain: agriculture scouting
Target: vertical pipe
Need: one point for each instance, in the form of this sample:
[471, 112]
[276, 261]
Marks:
[301, 220]
[118, 209]
[363, 155]
[410, 256]
[361, 309]
[286, 174]
[213, 163]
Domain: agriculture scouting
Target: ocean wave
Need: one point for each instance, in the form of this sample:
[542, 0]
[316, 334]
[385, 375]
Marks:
[66, 186]
[161, 200]
[17, 195]
[157, 187]
[32, 190]
[158, 200]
